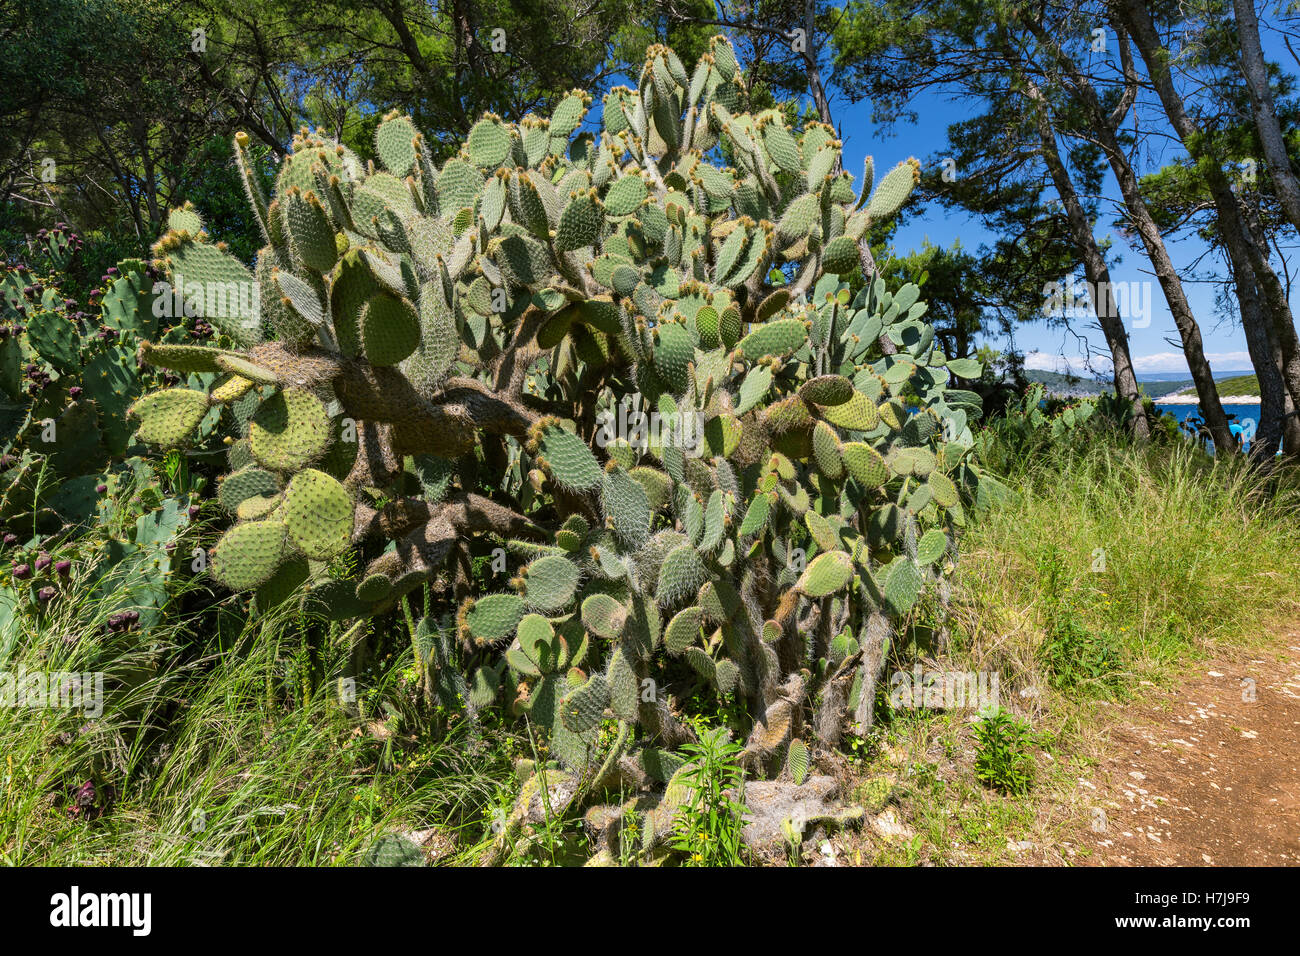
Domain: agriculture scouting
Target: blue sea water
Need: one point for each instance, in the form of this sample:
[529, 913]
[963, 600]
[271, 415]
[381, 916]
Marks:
[1247, 416]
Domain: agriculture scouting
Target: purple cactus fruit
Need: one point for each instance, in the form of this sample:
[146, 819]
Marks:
[22, 572]
[63, 568]
[194, 511]
[45, 594]
[112, 270]
[11, 539]
[101, 488]
[43, 561]
[75, 391]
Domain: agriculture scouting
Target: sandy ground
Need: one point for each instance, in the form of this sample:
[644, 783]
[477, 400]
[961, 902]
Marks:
[1207, 773]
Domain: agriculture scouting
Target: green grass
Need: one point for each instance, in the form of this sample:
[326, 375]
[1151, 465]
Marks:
[1199, 556]
[1162, 548]
[1239, 385]
[233, 758]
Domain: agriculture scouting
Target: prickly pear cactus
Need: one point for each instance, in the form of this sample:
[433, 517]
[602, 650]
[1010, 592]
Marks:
[650, 357]
[67, 379]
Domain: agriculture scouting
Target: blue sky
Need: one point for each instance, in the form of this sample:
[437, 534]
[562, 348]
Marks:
[1155, 348]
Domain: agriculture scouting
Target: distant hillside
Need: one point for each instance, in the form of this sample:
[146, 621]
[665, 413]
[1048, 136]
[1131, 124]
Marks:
[1240, 385]
[1158, 389]
[1155, 385]
[1073, 385]
[1237, 385]
[1076, 387]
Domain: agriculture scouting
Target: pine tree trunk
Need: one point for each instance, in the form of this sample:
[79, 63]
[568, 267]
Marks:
[1232, 223]
[1216, 420]
[1272, 394]
[1255, 70]
[1096, 270]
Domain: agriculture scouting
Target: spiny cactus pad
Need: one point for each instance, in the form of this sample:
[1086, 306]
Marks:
[568, 460]
[167, 418]
[493, 617]
[604, 616]
[318, 511]
[826, 574]
[249, 553]
[248, 482]
[290, 430]
[549, 583]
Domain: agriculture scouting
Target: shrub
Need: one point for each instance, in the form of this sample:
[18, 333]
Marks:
[1003, 760]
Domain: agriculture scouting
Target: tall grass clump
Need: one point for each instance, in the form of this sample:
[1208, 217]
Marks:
[245, 753]
[1115, 559]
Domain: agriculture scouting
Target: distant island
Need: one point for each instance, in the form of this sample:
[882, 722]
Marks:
[1238, 390]
[1235, 388]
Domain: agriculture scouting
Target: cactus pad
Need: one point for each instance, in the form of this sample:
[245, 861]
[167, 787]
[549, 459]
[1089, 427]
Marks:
[549, 583]
[826, 574]
[683, 630]
[167, 418]
[390, 329]
[249, 553]
[568, 460]
[584, 706]
[604, 616]
[318, 511]
[493, 618]
[290, 430]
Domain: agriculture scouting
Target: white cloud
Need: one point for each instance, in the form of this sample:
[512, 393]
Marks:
[1177, 362]
[1229, 361]
[1160, 362]
[1047, 362]
[1050, 362]
[1040, 362]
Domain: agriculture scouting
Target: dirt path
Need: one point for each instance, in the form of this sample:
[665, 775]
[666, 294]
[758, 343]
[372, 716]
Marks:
[1207, 773]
